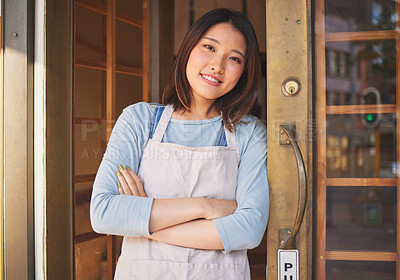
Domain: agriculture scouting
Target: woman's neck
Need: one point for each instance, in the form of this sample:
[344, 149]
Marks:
[196, 113]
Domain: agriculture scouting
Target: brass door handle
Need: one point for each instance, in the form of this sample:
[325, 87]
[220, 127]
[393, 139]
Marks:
[288, 235]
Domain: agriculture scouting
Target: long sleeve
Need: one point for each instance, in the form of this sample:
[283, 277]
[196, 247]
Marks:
[110, 212]
[116, 214]
[245, 228]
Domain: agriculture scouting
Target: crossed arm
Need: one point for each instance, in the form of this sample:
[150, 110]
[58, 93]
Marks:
[204, 223]
[191, 228]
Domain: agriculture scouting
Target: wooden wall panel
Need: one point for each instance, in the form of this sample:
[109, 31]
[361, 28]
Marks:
[236, 5]
[255, 10]
[203, 6]
[181, 22]
[167, 46]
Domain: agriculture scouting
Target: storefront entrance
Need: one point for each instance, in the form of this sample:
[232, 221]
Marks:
[356, 47]
[120, 61]
[330, 101]
[344, 54]
[331, 71]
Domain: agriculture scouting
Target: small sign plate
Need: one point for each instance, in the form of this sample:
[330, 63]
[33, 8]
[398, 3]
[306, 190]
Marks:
[288, 264]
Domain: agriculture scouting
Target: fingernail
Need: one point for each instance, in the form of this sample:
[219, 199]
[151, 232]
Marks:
[121, 167]
[128, 168]
[119, 185]
[119, 173]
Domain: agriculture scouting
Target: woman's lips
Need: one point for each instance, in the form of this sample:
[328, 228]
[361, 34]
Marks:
[210, 80]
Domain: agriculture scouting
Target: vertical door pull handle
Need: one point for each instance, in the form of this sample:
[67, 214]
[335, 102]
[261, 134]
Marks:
[288, 238]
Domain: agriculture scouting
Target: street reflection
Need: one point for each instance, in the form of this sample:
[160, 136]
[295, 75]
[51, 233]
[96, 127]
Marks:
[356, 151]
[353, 67]
[361, 218]
[350, 270]
[364, 15]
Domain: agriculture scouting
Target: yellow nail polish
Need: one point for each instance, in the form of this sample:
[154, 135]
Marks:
[128, 168]
[121, 167]
[119, 185]
[119, 173]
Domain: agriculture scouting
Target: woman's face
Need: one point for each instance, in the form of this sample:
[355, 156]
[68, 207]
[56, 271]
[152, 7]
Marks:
[216, 63]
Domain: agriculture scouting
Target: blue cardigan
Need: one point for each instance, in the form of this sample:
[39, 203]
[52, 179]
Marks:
[116, 214]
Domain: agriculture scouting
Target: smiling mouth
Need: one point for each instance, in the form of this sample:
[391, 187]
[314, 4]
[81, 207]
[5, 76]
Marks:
[211, 79]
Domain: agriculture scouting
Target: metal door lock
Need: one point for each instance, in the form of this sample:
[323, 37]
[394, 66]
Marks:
[291, 86]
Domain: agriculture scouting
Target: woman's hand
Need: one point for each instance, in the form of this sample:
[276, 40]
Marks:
[169, 212]
[217, 208]
[129, 183]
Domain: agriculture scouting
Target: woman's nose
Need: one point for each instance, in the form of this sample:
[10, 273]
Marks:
[217, 66]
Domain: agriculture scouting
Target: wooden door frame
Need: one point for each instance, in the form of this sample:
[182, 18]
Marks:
[17, 140]
[58, 92]
[289, 45]
[36, 113]
[47, 138]
[58, 148]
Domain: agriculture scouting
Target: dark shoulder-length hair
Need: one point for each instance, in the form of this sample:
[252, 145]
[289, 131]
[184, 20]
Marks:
[235, 104]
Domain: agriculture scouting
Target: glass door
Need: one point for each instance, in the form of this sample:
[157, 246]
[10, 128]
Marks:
[111, 72]
[357, 59]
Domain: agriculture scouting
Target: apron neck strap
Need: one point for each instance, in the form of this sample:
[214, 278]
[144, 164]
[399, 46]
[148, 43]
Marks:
[166, 116]
[230, 138]
[163, 123]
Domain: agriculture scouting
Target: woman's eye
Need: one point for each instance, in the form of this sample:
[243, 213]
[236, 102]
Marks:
[236, 59]
[209, 47]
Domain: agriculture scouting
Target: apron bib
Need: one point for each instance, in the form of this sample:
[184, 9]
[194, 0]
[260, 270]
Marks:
[170, 170]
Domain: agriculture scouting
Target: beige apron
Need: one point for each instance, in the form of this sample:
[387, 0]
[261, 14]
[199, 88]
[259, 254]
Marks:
[172, 171]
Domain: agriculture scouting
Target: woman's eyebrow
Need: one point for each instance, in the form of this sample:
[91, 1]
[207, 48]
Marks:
[236, 51]
[212, 39]
[216, 41]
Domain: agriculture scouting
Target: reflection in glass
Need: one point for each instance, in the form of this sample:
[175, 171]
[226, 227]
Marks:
[352, 68]
[101, 2]
[118, 245]
[90, 37]
[91, 259]
[351, 270]
[132, 9]
[129, 90]
[359, 15]
[361, 218]
[88, 146]
[357, 150]
[90, 91]
[129, 45]
[83, 192]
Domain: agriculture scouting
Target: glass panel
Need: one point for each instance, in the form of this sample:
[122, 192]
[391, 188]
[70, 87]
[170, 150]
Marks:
[129, 45]
[360, 73]
[361, 218]
[90, 92]
[91, 259]
[101, 2]
[354, 149]
[83, 192]
[130, 8]
[129, 91]
[118, 245]
[200, 7]
[88, 148]
[90, 35]
[359, 15]
[351, 270]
